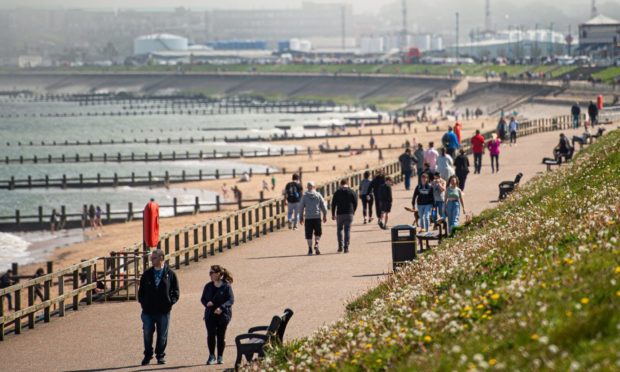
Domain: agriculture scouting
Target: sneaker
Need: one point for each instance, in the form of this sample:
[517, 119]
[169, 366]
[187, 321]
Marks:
[364, 221]
[211, 361]
[370, 220]
[220, 360]
[161, 361]
[316, 249]
[346, 249]
[339, 249]
[146, 361]
[294, 228]
[289, 225]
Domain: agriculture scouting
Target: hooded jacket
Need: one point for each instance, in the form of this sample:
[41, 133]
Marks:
[313, 203]
[158, 299]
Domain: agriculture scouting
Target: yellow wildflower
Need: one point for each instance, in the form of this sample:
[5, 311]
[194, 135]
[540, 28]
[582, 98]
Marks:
[492, 362]
[584, 300]
[428, 338]
[495, 297]
[617, 271]
[534, 337]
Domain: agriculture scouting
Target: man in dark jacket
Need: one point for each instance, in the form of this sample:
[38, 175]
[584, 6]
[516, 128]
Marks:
[461, 166]
[576, 112]
[406, 166]
[6, 281]
[344, 204]
[375, 185]
[385, 197]
[159, 290]
[593, 113]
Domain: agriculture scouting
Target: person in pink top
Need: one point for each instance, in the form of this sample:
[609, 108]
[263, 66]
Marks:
[457, 130]
[430, 157]
[493, 146]
[477, 147]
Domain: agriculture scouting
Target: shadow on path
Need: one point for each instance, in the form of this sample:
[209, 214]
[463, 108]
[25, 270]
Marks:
[144, 368]
[369, 275]
[290, 256]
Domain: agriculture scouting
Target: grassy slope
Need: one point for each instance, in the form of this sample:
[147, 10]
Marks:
[532, 284]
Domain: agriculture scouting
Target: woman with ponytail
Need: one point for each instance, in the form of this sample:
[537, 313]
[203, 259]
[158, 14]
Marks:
[217, 298]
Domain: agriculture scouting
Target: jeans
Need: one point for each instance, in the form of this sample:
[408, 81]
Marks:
[477, 163]
[367, 203]
[496, 166]
[440, 212]
[453, 210]
[575, 121]
[216, 333]
[407, 175]
[377, 205]
[513, 137]
[293, 213]
[343, 223]
[425, 215]
[149, 323]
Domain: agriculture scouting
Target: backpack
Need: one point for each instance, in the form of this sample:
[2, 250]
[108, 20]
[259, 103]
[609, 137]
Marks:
[292, 195]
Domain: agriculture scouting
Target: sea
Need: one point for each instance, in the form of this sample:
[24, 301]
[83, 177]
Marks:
[30, 121]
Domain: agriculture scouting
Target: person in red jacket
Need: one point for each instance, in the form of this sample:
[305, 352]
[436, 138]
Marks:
[477, 146]
[457, 130]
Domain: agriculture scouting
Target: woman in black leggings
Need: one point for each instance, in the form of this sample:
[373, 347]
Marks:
[366, 197]
[217, 298]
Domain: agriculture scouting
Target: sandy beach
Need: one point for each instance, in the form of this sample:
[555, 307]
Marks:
[72, 246]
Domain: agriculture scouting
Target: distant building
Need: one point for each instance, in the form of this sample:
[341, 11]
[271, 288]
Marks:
[29, 61]
[389, 42]
[600, 37]
[149, 44]
[514, 44]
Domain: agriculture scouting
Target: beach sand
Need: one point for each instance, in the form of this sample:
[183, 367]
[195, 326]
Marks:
[331, 165]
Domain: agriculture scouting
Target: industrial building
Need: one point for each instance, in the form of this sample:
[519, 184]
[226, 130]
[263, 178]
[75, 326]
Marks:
[150, 44]
[390, 42]
[600, 37]
[513, 44]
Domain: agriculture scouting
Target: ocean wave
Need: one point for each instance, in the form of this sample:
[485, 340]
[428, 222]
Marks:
[13, 249]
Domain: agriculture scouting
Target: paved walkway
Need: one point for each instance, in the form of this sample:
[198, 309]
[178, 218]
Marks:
[271, 274]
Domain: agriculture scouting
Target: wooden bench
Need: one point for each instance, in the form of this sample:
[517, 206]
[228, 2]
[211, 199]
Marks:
[506, 187]
[254, 342]
[440, 231]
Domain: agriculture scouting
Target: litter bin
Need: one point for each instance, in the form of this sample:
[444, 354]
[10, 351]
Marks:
[403, 244]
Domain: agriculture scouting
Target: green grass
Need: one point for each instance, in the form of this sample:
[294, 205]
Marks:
[532, 284]
[607, 75]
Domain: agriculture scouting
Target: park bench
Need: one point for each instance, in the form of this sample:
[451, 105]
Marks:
[506, 187]
[440, 231]
[254, 342]
[597, 135]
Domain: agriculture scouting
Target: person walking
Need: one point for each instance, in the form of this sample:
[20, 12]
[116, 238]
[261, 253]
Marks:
[385, 195]
[406, 167]
[457, 128]
[6, 281]
[450, 142]
[38, 288]
[366, 197]
[461, 168]
[439, 192]
[311, 207]
[477, 146]
[513, 127]
[419, 159]
[423, 201]
[293, 192]
[430, 157]
[158, 292]
[344, 204]
[217, 298]
[593, 113]
[375, 185]
[53, 220]
[84, 217]
[98, 221]
[501, 128]
[493, 146]
[273, 182]
[576, 112]
[91, 216]
[454, 203]
[445, 165]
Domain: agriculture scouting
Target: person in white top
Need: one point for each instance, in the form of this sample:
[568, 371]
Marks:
[445, 165]
[430, 157]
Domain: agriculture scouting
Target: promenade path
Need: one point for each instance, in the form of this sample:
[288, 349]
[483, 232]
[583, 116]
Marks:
[270, 274]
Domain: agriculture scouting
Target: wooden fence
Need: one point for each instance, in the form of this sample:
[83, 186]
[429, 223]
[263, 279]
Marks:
[114, 277]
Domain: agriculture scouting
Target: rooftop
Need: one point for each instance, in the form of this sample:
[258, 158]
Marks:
[600, 20]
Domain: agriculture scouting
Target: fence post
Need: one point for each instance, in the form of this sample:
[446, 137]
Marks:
[76, 284]
[211, 237]
[217, 203]
[177, 261]
[61, 291]
[270, 217]
[228, 229]
[186, 245]
[195, 244]
[196, 205]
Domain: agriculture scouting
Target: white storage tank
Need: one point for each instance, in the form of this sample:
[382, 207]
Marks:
[158, 43]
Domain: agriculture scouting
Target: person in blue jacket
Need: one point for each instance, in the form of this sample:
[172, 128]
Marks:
[450, 142]
[217, 298]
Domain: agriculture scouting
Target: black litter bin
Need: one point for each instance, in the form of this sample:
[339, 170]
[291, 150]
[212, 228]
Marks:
[403, 244]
